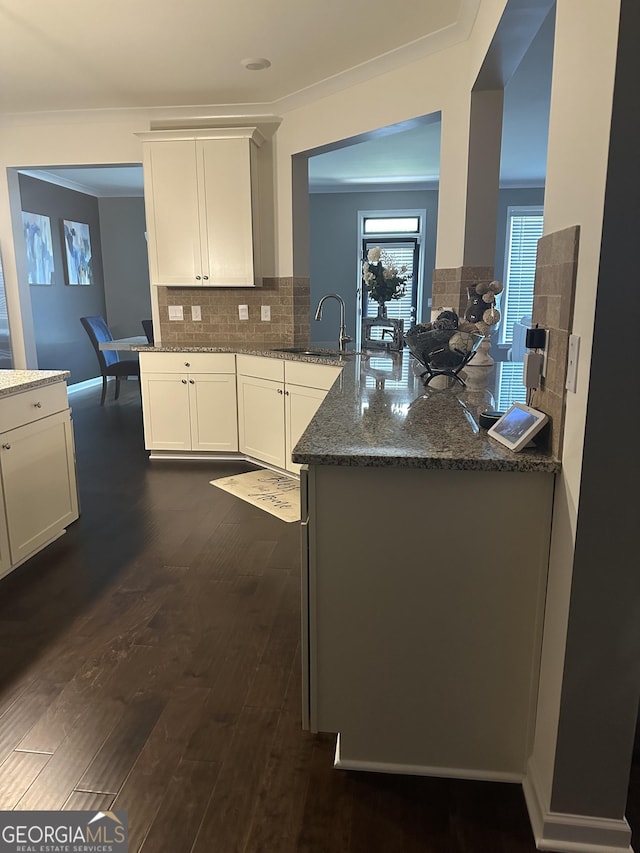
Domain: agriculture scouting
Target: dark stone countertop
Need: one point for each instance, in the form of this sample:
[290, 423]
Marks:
[379, 413]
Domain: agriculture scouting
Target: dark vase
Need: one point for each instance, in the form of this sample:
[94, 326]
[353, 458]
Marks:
[382, 311]
[476, 306]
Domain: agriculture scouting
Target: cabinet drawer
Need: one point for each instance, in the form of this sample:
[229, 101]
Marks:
[310, 375]
[27, 406]
[262, 368]
[187, 362]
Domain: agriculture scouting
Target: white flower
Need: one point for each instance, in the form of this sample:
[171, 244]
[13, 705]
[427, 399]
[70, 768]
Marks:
[374, 254]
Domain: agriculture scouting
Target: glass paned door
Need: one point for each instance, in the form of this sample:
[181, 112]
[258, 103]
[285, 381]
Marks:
[404, 252]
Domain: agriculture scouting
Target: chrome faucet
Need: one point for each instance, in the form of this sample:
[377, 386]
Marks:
[343, 337]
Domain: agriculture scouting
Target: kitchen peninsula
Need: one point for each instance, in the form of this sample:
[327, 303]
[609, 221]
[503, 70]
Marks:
[425, 551]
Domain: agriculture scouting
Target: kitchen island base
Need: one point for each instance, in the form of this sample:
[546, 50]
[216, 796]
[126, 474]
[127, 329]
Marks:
[423, 601]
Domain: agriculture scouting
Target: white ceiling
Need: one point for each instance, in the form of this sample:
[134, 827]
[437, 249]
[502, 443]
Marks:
[126, 64]
[92, 54]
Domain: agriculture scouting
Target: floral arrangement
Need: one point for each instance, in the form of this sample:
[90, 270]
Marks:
[382, 278]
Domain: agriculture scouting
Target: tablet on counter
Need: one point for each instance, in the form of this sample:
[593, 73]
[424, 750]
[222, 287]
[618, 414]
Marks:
[517, 426]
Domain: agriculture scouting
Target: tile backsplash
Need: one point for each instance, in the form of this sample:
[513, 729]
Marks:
[450, 286]
[288, 300]
[553, 300]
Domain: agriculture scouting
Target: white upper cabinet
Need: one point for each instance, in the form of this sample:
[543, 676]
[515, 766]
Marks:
[202, 207]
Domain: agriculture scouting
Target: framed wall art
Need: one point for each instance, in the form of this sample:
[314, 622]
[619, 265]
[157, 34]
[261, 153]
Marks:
[39, 247]
[77, 244]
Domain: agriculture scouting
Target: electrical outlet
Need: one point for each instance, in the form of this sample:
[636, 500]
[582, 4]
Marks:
[243, 312]
[176, 312]
[572, 363]
[265, 312]
[196, 313]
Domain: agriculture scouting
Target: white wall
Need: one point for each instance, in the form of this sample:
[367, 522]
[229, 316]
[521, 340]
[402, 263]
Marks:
[581, 99]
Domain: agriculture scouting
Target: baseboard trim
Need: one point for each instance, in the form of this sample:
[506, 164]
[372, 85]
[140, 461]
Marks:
[201, 456]
[569, 833]
[195, 456]
[342, 763]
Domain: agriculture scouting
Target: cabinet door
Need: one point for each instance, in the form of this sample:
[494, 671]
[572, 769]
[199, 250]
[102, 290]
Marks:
[171, 201]
[39, 482]
[226, 213]
[213, 410]
[165, 410]
[261, 420]
[301, 405]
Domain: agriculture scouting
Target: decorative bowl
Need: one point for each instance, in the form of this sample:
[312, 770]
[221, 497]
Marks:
[442, 351]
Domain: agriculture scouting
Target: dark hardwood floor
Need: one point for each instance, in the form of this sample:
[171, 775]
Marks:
[150, 662]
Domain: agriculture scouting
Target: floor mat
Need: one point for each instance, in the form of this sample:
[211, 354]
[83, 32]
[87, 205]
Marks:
[275, 493]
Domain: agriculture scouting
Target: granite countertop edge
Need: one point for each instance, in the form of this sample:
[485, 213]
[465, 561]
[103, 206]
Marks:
[361, 460]
[333, 357]
[13, 381]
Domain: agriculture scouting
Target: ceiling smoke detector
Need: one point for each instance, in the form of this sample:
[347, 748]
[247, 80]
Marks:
[258, 64]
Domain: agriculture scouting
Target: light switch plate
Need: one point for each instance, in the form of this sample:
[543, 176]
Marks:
[243, 312]
[196, 313]
[572, 363]
[265, 312]
[176, 312]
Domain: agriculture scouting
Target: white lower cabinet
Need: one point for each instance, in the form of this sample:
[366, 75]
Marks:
[189, 401]
[38, 472]
[301, 404]
[261, 424]
[276, 402]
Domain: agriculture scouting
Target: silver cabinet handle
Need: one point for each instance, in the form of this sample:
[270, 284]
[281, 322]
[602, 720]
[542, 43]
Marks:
[205, 277]
[184, 381]
[7, 446]
[187, 364]
[286, 393]
[280, 391]
[192, 382]
[38, 405]
[198, 278]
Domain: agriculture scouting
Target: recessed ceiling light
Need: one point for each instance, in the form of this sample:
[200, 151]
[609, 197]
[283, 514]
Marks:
[257, 64]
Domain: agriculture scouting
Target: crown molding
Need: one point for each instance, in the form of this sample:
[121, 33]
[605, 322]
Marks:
[157, 116]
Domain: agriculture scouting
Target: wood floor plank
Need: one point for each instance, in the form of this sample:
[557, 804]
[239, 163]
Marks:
[148, 781]
[23, 714]
[182, 808]
[53, 726]
[17, 773]
[108, 769]
[227, 820]
[58, 779]
[327, 816]
[280, 801]
[87, 801]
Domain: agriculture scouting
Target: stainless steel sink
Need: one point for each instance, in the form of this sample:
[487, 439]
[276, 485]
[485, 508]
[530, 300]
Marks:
[310, 352]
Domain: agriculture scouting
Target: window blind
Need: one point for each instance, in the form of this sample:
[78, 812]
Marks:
[401, 309]
[524, 229]
[510, 386]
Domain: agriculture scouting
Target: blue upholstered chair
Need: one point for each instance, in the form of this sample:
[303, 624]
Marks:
[110, 362]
